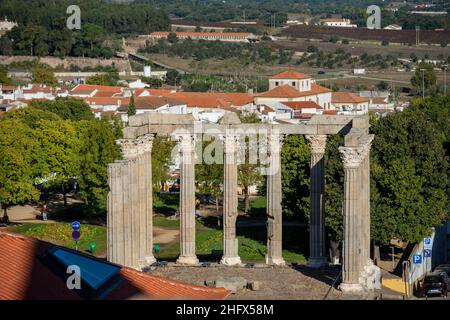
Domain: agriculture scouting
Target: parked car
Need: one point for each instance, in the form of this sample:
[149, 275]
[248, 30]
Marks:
[443, 268]
[435, 283]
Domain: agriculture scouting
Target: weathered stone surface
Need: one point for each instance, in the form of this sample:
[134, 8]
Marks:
[234, 284]
[254, 285]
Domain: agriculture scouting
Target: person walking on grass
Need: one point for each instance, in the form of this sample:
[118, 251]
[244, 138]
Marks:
[44, 212]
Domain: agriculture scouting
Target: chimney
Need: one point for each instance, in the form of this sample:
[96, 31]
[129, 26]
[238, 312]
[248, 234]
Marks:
[250, 92]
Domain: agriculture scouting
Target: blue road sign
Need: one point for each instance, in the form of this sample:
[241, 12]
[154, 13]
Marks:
[417, 259]
[427, 253]
[76, 225]
[427, 243]
[76, 235]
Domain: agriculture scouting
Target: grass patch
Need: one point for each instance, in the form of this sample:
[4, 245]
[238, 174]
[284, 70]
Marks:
[163, 222]
[166, 203]
[61, 234]
[252, 244]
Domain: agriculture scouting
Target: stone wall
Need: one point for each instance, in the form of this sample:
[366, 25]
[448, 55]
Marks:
[120, 64]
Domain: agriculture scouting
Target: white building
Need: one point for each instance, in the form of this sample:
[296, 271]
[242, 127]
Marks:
[294, 86]
[393, 27]
[347, 103]
[346, 23]
[6, 26]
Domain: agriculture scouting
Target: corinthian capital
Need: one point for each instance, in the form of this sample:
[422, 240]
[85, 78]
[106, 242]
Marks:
[128, 148]
[231, 142]
[317, 143]
[353, 156]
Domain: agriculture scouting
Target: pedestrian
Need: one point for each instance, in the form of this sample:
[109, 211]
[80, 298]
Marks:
[44, 212]
[197, 208]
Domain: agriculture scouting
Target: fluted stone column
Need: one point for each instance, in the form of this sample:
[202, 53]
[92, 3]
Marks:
[230, 201]
[317, 244]
[355, 218]
[129, 205]
[274, 211]
[187, 200]
[149, 257]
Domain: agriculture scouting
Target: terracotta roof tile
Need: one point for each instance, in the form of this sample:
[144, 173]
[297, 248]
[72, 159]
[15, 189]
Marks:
[347, 97]
[290, 74]
[299, 105]
[23, 276]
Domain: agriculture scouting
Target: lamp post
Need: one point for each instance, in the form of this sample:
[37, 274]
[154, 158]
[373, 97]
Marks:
[445, 79]
[423, 83]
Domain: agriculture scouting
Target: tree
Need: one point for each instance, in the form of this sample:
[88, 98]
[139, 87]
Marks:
[5, 46]
[172, 77]
[131, 107]
[426, 78]
[382, 85]
[66, 108]
[97, 150]
[248, 173]
[161, 158]
[44, 76]
[19, 152]
[4, 79]
[410, 171]
[172, 37]
[59, 144]
[109, 79]
[210, 176]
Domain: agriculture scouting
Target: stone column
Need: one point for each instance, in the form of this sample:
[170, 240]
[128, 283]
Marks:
[274, 211]
[317, 244]
[187, 200]
[351, 266]
[149, 258]
[230, 202]
[115, 235]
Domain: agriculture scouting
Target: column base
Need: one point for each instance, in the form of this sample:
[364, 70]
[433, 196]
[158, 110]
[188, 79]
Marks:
[317, 262]
[230, 261]
[188, 260]
[150, 260]
[275, 261]
[351, 288]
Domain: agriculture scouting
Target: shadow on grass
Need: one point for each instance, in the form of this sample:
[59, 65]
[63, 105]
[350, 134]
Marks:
[166, 203]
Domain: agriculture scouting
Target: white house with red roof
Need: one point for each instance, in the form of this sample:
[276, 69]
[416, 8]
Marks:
[348, 103]
[294, 86]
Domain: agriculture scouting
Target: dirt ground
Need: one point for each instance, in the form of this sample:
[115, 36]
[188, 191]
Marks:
[277, 283]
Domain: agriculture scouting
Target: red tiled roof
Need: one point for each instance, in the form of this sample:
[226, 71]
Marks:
[89, 88]
[290, 74]
[35, 88]
[298, 105]
[286, 91]
[9, 88]
[347, 97]
[329, 112]
[211, 99]
[23, 276]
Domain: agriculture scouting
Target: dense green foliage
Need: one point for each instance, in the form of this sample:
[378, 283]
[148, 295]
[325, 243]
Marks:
[411, 171]
[200, 50]
[49, 148]
[410, 174]
[42, 26]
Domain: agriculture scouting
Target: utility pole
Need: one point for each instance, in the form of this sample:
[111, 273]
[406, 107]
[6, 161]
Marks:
[445, 80]
[244, 15]
[423, 83]
[417, 35]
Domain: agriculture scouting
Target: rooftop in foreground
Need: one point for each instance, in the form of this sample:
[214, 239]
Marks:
[35, 270]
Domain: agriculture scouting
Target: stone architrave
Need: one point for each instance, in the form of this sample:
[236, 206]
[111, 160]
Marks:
[317, 243]
[230, 201]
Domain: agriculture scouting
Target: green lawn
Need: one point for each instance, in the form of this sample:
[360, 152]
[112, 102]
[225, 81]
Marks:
[61, 234]
[252, 244]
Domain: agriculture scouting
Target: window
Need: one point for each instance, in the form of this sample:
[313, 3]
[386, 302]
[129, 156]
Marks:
[293, 83]
[277, 83]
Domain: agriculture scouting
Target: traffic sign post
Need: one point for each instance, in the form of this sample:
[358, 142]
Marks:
[417, 259]
[76, 234]
[76, 226]
[427, 243]
[427, 253]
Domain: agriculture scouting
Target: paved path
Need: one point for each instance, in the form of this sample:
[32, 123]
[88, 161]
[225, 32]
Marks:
[277, 283]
